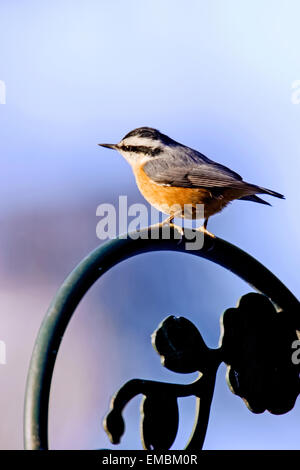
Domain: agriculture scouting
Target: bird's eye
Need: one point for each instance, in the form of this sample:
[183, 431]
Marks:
[130, 148]
[149, 151]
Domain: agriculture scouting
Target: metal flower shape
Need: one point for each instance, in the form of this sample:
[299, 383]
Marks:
[256, 344]
[182, 349]
[180, 345]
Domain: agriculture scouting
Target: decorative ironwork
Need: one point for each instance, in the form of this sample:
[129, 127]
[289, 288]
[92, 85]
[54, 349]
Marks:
[182, 349]
[256, 345]
[257, 348]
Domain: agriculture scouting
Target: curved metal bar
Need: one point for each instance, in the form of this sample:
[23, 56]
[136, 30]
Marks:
[94, 266]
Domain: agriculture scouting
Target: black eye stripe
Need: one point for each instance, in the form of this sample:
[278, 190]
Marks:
[142, 149]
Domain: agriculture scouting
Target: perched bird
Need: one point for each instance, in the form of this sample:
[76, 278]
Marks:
[171, 176]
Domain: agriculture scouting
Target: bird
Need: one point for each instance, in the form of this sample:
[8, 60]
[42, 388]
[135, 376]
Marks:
[172, 176]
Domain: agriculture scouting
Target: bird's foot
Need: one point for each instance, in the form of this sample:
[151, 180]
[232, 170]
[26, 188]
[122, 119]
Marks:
[204, 230]
[178, 229]
[166, 226]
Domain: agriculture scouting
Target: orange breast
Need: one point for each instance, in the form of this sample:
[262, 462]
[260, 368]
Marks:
[170, 200]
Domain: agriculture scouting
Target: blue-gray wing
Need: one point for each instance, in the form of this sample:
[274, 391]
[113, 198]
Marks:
[191, 175]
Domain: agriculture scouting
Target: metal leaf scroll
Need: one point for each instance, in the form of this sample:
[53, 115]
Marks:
[256, 345]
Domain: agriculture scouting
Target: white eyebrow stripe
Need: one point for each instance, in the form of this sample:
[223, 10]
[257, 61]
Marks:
[136, 141]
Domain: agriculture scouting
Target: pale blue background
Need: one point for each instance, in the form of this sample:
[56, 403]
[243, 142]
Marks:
[214, 75]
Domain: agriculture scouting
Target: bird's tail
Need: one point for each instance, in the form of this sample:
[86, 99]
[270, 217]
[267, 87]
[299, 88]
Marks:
[272, 193]
[260, 190]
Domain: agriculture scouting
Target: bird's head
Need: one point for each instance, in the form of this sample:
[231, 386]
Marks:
[142, 143]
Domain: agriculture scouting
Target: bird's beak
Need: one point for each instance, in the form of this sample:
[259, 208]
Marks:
[109, 146]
